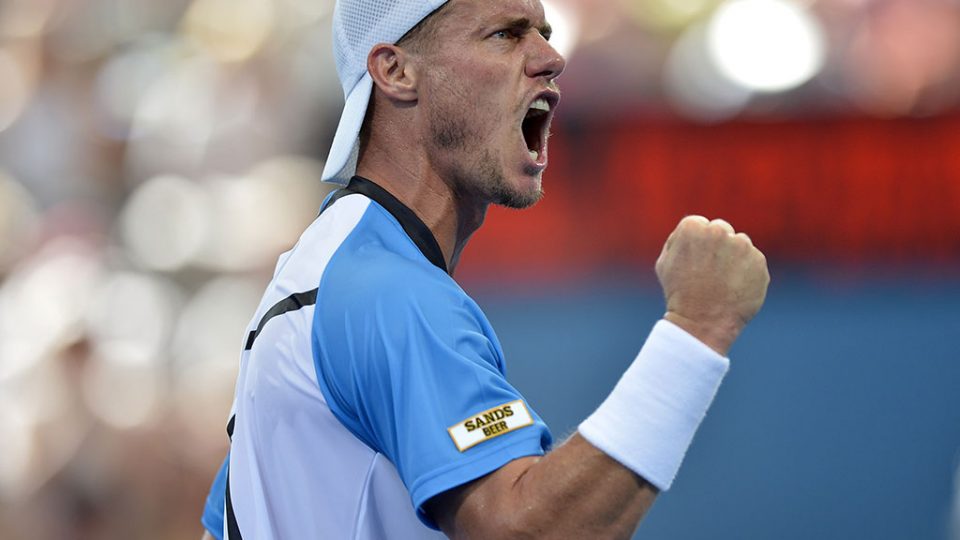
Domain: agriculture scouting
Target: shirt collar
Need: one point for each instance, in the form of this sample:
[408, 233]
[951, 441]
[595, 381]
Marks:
[415, 228]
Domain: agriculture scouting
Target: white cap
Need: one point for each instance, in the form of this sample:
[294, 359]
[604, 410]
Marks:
[358, 25]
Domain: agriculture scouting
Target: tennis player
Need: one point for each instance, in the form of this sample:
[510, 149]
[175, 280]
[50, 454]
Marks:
[371, 400]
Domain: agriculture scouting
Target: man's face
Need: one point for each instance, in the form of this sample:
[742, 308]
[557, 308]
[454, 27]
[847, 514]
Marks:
[488, 93]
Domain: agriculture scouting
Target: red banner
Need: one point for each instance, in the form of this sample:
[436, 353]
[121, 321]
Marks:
[849, 191]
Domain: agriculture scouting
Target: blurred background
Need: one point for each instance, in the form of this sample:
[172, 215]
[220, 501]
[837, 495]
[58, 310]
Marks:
[157, 156]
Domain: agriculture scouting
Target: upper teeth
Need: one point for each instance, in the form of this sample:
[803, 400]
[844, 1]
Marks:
[540, 105]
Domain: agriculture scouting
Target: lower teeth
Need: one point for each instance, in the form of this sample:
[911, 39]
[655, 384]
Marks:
[534, 154]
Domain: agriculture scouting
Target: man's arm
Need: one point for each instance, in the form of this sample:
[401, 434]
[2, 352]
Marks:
[575, 491]
[714, 282]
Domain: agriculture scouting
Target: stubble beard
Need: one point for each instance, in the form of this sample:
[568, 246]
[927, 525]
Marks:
[476, 173]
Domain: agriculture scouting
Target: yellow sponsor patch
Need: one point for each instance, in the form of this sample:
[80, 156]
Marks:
[489, 424]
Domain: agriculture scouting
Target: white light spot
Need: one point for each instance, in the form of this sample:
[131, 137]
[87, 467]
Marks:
[131, 318]
[694, 85]
[178, 107]
[565, 28]
[766, 45]
[213, 324]
[282, 192]
[165, 222]
[42, 303]
[230, 30]
[126, 78]
[124, 395]
[237, 242]
[206, 347]
[181, 114]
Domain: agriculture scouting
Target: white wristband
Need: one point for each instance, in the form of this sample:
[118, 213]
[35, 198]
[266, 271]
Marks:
[648, 421]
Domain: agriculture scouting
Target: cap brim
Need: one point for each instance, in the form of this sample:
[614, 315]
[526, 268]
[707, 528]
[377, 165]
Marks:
[342, 160]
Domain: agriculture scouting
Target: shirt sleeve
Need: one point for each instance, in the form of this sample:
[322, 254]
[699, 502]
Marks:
[212, 518]
[411, 366]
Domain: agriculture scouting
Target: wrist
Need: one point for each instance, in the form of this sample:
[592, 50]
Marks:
[649, 419]
[717, 334]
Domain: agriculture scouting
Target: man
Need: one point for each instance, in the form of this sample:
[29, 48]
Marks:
[371, 401]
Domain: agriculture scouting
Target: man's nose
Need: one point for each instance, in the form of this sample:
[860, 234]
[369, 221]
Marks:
[544, 60]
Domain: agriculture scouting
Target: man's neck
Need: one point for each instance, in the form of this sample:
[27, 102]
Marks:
[451, 217]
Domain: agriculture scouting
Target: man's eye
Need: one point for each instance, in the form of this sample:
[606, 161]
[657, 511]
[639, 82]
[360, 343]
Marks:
[502, 34]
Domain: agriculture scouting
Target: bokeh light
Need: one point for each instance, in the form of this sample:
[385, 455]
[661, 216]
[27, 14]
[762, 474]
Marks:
[42, 303]
[126, 77]
[131, 317]
[213, 324]
[766, 45]
[25, 18]
[695, 86]
[669, 15]
[15, 90]
[16, 447]
[300, 15]
[166, 222]
[183, 112]
[121, 394]
[563, 19]
[261, 213]
[206, 349]
[19, 220]
[903, 57]
[41, 393]
[230, 30]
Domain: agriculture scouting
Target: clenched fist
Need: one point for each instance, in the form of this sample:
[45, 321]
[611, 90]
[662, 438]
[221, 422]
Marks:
[713, 278]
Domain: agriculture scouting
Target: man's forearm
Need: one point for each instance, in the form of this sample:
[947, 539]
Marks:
[575, 491]
[605, 478]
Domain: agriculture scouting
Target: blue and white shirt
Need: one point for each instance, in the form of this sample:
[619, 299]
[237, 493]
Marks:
[369, 383]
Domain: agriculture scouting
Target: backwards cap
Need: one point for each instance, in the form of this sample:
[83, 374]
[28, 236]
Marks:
[358, 25]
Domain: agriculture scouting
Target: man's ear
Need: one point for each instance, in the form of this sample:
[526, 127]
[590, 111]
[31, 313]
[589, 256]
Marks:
[393, 72]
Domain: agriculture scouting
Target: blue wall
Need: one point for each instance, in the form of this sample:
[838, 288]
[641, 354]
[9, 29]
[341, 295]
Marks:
[840, 417]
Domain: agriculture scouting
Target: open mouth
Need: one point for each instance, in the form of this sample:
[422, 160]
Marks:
[535, 128]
